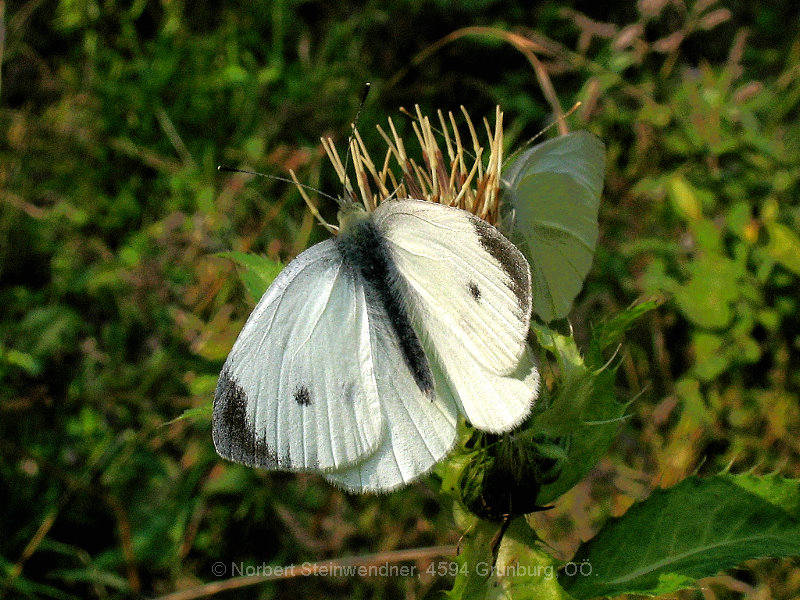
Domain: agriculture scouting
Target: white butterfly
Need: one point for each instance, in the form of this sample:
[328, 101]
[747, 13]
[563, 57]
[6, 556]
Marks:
[360, 355]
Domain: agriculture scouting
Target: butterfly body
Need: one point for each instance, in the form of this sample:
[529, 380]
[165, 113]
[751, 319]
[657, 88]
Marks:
[364, 249]
[360, 356]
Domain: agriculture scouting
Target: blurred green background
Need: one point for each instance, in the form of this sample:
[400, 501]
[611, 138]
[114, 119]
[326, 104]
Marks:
[116, 315]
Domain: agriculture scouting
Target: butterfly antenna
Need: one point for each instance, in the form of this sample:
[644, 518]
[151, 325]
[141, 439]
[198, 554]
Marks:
[397, 189]
[542, 132]
[364, 95]
[224, 169]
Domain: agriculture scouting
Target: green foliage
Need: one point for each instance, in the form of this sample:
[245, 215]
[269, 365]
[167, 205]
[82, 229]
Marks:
[692, 530]
[584, 410]
[521, 568]
[258, 273]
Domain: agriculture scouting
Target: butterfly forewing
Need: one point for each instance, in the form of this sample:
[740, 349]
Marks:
[468, 289]
[298, 389]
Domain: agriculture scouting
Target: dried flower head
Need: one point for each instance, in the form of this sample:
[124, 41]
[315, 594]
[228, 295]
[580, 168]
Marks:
[456, 177]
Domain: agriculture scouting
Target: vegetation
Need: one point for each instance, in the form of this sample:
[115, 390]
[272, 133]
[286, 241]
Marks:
[118, 305]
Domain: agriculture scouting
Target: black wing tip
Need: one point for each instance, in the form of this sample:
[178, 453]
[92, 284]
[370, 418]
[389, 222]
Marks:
[229, 419]
[510, 259]
[233, 434]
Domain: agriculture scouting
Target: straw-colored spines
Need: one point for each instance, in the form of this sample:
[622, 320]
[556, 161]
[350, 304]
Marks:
[455, 177]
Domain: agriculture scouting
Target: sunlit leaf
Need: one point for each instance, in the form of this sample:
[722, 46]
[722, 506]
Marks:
[584, 407]
[692, 530]
[713, 285]
[257, 273]
[684, 199]
[784, 246]
[523, 569]
[202, 413]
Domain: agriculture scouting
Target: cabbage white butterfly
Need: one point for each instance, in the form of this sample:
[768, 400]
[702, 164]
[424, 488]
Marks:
[361, 354]
[551, 198]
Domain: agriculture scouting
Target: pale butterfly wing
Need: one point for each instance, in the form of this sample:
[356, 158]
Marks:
[298, 389]
[420, 430]
[551, 197]
[469, 296]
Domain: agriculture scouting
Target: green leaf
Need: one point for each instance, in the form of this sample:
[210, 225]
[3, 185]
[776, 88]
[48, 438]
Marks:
[684, 199]
[584, 407]
[710, 358]
[258, 271]
[783, 493]
[692, 530]
[522, 571]
[551, 198]
[564, 414]
[22, 360]
[203, 385]
[706, 297]
[609, 333]
[198, 412]
[784, 246]
[588, 412]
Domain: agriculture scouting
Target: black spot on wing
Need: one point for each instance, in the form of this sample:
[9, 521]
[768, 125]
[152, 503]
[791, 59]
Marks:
[474, 290]
[302, 395]
[235, 437]
[510, 259]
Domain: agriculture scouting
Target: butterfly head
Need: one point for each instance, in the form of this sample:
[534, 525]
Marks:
[350, 214]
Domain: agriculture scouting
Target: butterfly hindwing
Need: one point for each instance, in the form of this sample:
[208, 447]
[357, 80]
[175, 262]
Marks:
[469, 295]
[420, 430]
[298, 389]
